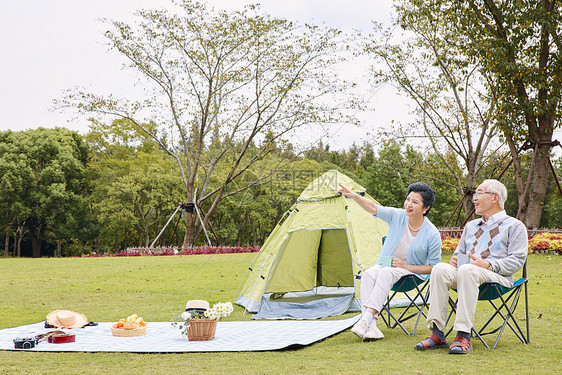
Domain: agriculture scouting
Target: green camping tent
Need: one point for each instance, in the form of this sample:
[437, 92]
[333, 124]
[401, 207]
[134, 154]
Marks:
[310, 265]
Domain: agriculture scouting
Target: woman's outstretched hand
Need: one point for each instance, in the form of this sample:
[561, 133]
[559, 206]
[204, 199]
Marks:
[344, 191]
[366, 204]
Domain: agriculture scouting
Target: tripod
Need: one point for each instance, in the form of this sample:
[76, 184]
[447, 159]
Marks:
[186, 207]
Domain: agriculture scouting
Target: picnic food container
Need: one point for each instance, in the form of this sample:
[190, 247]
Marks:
[202, 329]
[121, 332]
[134, 325]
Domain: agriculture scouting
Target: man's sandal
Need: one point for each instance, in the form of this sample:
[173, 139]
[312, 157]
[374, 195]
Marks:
[461, 345]
[432, 342]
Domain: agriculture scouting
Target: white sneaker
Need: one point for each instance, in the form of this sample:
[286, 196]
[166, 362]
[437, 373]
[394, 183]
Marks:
[373, 333]
[360, 327]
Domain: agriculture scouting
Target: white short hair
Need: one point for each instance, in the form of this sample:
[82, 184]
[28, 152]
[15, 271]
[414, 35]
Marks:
[496, 187]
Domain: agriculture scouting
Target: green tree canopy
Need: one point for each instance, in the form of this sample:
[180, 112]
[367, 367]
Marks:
[517, 45]
[133, 184]
[41, 183]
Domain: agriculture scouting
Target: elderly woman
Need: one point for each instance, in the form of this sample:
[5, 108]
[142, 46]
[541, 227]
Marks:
[413, 242]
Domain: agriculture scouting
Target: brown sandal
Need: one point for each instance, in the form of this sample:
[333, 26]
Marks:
[435, 343]
[462, 343]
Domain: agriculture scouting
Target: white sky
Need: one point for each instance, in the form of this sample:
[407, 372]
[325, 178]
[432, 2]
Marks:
[53, 45]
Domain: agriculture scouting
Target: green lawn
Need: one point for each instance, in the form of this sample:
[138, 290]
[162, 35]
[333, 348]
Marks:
[106, 289]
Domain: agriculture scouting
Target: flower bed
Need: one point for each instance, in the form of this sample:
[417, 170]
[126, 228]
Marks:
[449, 244]
[545, 243]
[135, 252]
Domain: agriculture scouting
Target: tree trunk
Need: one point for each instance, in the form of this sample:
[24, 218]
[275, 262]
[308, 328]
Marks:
[468, 206]
[519, 180]
[537, 189]
[36, 232]
[471, 184]
[19, 236]
[59, 249]
[189, 238]
[7, 243]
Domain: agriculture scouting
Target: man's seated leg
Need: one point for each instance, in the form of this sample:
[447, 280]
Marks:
[470, 277]
[443, 278]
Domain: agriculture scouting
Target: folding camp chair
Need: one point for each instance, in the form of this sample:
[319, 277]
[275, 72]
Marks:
[408, 285]
[503, 310]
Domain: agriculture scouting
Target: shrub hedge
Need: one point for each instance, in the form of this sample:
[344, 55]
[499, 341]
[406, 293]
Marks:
[542, 243]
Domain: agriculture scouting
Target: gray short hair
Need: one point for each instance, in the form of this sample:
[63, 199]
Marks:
[496, 187]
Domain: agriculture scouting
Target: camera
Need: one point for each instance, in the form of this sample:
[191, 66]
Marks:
[24, 342]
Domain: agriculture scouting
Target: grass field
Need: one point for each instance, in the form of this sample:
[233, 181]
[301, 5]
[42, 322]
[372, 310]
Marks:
[106, 289]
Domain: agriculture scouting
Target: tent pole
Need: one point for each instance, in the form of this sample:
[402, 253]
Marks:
[288, 212]
[244, 278]
[257, 279]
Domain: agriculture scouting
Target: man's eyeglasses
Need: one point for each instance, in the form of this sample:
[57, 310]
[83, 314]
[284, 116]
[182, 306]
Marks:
[477, 193]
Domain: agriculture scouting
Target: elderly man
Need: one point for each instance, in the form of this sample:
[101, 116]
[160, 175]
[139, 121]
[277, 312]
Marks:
[491, 248]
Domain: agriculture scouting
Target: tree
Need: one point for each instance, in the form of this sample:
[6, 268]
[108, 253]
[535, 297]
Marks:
[15, 180]
[42, 179]
[385, 179]
[220, 82]
[455, 102]
[398, 165]
[517, 44]
[134, 188]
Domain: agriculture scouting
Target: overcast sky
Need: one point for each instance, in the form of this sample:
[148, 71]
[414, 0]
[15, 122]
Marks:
[53, 45]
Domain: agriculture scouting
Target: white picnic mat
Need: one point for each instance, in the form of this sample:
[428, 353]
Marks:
[161, 337]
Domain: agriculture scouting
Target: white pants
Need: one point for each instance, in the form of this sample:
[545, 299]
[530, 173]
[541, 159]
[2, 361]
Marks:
[466, 281]
[376, 283]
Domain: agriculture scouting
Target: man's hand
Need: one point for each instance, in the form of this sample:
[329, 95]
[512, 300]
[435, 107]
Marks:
[453, 261]
[478, 261]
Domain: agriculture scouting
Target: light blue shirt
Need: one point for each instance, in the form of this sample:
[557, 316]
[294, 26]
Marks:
[426, 246]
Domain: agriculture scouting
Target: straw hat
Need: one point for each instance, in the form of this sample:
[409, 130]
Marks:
[197, 304]
[66, 319]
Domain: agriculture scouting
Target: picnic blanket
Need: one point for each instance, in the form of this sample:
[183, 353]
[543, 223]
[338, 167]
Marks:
[162, 337]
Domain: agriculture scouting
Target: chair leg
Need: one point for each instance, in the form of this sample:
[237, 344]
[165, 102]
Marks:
[387, 321]
[397, 321]
[420, 313]
[527, 314]
[509, 309]
[503, 310]
[453, 305]
[425, 304]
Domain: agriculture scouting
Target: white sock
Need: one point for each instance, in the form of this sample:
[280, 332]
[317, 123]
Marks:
[368, 317]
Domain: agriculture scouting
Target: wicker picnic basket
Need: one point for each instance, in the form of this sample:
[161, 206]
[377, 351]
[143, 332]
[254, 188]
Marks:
[202, 329]
[120, 332]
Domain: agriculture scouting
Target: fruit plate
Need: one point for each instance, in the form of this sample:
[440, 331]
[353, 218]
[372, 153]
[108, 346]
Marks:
[121, 332]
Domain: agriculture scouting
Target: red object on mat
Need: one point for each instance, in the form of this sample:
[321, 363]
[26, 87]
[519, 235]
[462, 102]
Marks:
[62, 339]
